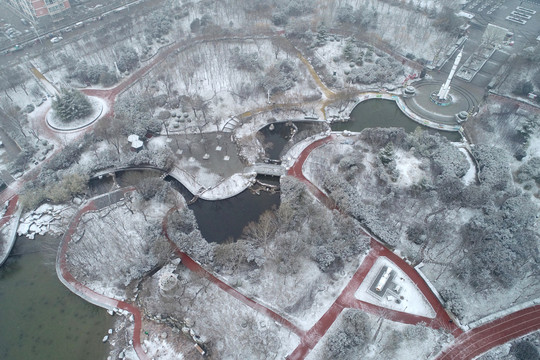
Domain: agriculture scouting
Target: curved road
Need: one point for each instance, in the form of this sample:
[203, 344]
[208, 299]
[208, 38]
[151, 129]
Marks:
[347, 299]
[481, 339]
[86, 293]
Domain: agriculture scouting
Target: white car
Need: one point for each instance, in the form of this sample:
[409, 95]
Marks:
[56, 39]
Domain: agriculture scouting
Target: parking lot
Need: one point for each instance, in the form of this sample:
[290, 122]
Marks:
[11, 27]
[520, 17]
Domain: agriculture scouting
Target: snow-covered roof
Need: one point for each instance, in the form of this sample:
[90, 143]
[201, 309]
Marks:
[133, 137]
[137, 144]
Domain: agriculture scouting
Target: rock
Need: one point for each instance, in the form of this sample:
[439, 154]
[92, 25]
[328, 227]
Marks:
[43, 230]
[77, 201]
[189, 322]
[45, 219]
[45, 208]
[23, 228]
[110, 331]
[164, 335]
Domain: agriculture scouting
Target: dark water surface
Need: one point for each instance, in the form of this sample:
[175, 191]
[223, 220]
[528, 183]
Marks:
[225, 219]
[39, 317]
[384, 113]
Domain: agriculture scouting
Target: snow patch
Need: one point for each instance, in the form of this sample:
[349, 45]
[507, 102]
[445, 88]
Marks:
[411, 299]
[409, 169]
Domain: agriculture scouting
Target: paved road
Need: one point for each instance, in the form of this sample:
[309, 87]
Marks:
[498, 332]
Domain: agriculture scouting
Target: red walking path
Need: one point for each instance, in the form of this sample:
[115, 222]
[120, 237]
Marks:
[12, 205]
[498, 332]
[467, 345]
[89, 295]
[197, 268]
[347, 299]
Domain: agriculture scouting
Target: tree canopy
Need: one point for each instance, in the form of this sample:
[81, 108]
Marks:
[71, 105]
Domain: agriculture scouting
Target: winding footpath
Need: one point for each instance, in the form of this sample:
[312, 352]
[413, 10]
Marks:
[467, 344]
[197, 268]
[347, 298]
[86, 293]
[483, 338]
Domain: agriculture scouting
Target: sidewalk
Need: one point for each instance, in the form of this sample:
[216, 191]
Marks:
[10, 214]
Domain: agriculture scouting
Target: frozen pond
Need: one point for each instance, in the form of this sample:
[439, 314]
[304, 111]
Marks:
[218, 220]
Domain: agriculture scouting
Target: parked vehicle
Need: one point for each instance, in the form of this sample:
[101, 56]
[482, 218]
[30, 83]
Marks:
[56, 39]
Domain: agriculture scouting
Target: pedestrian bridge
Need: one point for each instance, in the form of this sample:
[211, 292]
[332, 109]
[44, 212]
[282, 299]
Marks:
[268, 169]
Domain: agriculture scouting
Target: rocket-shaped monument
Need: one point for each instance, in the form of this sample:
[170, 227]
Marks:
[445, 88]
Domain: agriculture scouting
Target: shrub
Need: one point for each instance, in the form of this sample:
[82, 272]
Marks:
[280, 78]
[524, 350]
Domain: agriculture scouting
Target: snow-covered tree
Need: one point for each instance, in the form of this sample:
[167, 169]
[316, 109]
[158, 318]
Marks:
[352, 337]
[71, 105]
[127, 58]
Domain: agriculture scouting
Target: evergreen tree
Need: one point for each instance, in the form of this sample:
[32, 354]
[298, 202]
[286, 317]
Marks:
[71, 105]
[387, 153]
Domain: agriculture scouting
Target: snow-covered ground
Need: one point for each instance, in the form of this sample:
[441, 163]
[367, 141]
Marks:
[470, 176]
[409, 169]
[228, 89]
[132, 246]
[310, 290]
[388, 340]
[410, 298]
[209, 314]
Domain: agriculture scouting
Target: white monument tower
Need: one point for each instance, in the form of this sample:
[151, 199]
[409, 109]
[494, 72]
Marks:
[445, 88]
